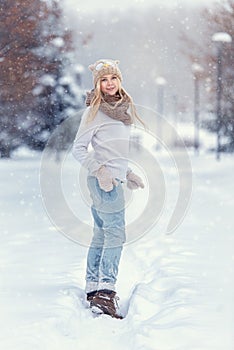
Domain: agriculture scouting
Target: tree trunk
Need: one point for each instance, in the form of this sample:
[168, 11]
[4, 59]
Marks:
[5, 152]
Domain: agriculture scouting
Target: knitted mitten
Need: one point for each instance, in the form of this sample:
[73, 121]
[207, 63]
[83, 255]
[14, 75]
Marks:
[134, 181]
[105, 179]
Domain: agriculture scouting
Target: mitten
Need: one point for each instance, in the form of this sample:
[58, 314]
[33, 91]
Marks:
[134, 181]
[105, 179]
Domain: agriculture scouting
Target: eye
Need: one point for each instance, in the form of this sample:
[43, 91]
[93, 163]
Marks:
[114, 78]
[104, 79]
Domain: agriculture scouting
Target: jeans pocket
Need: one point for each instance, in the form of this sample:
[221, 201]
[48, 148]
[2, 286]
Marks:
[110, 196]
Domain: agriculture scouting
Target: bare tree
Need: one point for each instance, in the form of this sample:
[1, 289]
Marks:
[218, 18]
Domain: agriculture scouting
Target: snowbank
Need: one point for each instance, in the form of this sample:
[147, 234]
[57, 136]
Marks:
[176, 291]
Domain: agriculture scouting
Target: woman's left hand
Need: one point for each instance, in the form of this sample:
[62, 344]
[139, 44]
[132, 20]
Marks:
[134, 181]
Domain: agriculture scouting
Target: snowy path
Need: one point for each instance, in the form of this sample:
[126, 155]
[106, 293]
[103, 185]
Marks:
[178, 289]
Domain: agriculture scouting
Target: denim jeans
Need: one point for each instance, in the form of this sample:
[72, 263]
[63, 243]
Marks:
[108, 236]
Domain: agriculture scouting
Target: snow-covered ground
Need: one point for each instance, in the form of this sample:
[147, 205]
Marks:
[175, 290]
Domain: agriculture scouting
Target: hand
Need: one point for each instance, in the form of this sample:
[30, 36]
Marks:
[134, 181]
[105, 179]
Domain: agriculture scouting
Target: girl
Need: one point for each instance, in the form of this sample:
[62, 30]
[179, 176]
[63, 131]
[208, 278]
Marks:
[106, 126]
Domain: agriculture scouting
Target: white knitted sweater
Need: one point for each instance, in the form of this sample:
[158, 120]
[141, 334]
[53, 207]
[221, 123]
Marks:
[109, 141]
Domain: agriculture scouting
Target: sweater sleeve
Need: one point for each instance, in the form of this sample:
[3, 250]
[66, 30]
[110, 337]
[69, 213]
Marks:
[81, 143]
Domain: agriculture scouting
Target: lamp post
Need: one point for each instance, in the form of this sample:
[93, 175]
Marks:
[219, 38]
[197, 71]
[175, 115]
[160, 82]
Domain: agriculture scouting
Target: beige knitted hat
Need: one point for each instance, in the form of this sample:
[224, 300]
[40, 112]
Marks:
[103, 67]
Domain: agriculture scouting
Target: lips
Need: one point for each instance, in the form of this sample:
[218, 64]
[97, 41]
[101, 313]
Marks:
[111, 91]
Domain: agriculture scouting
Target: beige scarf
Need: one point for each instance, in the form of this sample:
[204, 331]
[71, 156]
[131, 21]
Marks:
[113, 106]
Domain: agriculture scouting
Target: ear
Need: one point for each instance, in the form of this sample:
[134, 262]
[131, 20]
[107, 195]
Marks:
[91, 67]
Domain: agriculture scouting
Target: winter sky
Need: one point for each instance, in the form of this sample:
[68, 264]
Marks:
[92, 5]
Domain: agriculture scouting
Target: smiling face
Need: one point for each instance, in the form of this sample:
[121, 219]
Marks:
[109, 84]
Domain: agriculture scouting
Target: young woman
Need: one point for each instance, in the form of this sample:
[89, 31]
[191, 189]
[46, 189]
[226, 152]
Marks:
[106, 126]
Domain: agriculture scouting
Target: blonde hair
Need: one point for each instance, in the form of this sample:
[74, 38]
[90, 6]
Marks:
[95, 103]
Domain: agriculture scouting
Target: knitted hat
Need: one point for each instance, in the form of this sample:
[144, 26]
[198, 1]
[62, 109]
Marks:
[103, 67]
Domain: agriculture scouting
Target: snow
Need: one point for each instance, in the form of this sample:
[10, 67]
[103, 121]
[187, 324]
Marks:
[197, 68]
[160, 81]
[175, 290]
[79, 68]
[38, 89]
[66, 80]
[59, 42]
[223, 37]
[207, 140]
[48, 80]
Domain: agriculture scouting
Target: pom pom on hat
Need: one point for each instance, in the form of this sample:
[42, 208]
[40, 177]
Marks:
[103, 67]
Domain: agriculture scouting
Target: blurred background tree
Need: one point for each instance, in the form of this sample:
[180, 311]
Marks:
[218, 18]
[221, 19]
[39, 83]
[41, 79]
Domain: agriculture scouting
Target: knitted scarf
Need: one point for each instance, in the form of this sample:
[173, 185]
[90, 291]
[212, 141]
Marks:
[113, 106]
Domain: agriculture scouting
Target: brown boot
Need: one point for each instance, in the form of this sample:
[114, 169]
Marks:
[90, 295]
[106, 301]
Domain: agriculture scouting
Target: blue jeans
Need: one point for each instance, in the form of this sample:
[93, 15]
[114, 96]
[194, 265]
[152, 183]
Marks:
[108, 236]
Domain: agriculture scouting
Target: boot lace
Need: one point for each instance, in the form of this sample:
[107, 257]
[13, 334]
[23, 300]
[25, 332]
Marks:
[115, 299]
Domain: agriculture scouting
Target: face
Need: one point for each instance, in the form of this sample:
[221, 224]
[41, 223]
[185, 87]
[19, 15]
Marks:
[109, 84]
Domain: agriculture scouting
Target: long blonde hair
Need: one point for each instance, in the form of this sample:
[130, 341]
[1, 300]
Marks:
[96, 100]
